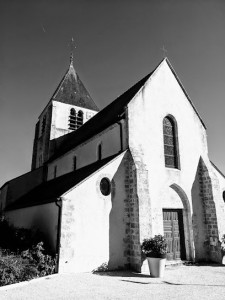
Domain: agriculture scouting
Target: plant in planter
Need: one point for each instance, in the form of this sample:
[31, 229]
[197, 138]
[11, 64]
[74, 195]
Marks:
[155, 250]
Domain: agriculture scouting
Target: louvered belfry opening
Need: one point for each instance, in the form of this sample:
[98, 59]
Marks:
[79, 119]
[72, 119]
[170, 143]
[75, 119]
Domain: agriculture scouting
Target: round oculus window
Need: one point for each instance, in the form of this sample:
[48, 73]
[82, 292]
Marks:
[105, 186]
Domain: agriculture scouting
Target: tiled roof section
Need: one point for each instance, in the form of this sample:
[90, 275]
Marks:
[72, 91]
[50, 190]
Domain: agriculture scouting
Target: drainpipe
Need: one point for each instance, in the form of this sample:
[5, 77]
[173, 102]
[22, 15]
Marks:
[120, 123]
[121, 136]
[58, 203]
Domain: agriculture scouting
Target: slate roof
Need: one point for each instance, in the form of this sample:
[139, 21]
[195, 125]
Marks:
[108, 116]
[50, 190]
[72, 91]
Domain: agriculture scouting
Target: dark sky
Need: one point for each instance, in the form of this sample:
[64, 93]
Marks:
[118, 43]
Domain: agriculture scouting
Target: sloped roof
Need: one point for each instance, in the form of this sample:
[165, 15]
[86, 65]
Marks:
[103, 119]
[50, 190]
[184, 91]
[108, 116]
[72, 91]
[218, 170]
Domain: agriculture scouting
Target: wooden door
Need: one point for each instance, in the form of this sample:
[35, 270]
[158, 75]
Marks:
[174, 233]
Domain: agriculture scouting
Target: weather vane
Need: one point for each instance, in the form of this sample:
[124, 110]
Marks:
[72, 47]
[164, 51]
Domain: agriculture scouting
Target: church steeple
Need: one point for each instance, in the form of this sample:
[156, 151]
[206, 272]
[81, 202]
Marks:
[71, 90]
[69, 108]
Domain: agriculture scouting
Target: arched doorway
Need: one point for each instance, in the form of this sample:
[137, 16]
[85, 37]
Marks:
[177, 225]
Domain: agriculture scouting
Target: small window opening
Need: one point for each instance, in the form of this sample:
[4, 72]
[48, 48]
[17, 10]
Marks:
[99, 152]
[224, 196]
[55, 171]
[74, 163]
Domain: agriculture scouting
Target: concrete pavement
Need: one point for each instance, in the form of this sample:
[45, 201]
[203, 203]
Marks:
[182, 282]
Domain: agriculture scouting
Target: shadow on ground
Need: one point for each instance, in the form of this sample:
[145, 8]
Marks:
[122, 274]
[173, 283]
[203, 264]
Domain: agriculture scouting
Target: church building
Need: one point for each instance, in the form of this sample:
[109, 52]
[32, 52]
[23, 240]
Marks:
[103, 180]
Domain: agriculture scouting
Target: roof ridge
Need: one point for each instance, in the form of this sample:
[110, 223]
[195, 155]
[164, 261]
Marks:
[184, 90]
[217, 169]
[59, 186]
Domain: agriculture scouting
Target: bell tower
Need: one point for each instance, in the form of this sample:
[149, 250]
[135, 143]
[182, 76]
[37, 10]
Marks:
[69, 108]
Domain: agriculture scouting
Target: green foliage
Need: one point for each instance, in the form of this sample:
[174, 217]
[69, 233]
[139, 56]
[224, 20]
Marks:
[30, 264]
[223, 244]
[18, 239]
[44, 263]
[30, 261]
[102, 268]
[155, 247]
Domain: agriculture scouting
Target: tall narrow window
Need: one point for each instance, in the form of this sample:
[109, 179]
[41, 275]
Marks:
[74, 163]
[79, 118]
[99, 152]
[43, 125]
[72, 119]
[55, 171]
[170, 143]
[40, 160]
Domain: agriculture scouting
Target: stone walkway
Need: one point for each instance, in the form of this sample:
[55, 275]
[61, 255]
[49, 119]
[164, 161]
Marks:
[183, 282]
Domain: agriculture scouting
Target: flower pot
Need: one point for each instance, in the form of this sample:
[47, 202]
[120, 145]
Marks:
[223, 257]
[156, 266]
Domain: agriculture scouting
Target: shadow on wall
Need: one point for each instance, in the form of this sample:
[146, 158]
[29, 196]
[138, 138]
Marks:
[204, 219]
[123, 234]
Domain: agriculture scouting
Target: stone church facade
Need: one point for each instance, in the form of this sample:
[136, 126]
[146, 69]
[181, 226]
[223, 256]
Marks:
[102, 181]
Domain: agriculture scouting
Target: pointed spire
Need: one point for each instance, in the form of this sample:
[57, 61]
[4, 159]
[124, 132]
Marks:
[71, 89]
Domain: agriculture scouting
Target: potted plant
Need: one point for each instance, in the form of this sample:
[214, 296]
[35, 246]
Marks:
[155, 250]
[223, 249]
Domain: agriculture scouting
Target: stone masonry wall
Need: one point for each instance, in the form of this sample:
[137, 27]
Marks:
[131, 216]
[209, 213]
[137, 210]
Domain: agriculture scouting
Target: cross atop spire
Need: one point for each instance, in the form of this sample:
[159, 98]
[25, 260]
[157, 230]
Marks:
[164, 51]
[72, 47]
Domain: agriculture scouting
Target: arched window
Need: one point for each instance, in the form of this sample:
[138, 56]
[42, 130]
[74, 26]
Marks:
[72, 119]
[170, 143]
[99, 152]
[79, 118]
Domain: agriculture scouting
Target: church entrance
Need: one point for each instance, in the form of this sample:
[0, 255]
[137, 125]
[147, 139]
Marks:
[174, 233]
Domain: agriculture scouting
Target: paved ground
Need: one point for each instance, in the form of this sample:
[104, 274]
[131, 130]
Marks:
[183, 282]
